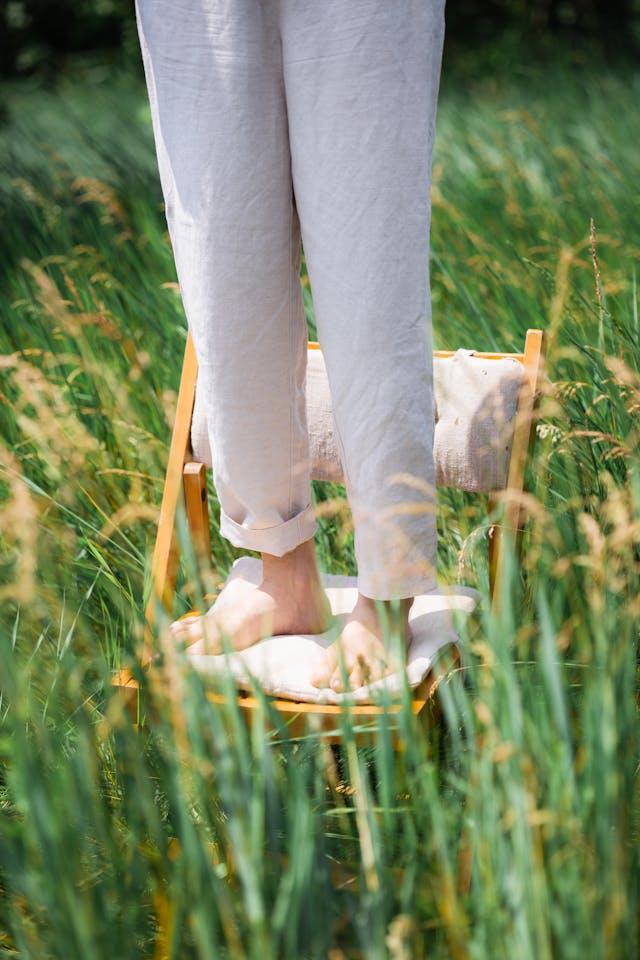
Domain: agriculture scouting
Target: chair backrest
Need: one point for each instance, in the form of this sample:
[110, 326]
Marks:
[477, 400]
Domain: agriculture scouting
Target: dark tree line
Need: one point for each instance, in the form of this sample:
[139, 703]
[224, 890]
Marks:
[41, 34]
[613, 26]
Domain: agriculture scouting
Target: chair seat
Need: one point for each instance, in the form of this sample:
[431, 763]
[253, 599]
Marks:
[281, 666]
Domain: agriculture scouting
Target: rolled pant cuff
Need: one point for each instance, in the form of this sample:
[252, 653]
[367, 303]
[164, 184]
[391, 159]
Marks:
[275, 541]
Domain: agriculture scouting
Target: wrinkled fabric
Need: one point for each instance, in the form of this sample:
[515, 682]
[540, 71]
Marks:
[282, 120]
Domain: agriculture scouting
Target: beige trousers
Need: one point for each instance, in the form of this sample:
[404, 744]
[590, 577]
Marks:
[282, 120]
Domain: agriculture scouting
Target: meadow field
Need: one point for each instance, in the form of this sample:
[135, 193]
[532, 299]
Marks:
[200, 837]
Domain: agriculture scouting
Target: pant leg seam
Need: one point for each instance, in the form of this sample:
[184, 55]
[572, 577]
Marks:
[291, 357]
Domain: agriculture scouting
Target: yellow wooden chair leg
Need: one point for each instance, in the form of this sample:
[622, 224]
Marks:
[164, 564]
[195, 498]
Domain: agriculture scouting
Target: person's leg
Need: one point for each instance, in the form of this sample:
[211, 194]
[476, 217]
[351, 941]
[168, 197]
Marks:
[361, 82]
[214, 74]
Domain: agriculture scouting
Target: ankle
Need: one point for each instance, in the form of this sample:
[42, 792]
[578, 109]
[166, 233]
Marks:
[300, 565]
[401, 605]
[390, 615]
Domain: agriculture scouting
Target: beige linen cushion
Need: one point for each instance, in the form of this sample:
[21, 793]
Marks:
[282, 665]
[476, 401]
[476, 408]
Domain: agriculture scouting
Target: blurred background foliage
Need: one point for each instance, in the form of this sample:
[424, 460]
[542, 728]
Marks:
[40, 34]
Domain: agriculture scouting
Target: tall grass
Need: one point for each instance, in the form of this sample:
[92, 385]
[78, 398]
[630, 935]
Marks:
[205, 838]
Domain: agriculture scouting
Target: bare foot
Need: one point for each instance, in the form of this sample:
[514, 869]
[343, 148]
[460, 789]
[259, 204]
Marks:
[289, 600]
[361, 645]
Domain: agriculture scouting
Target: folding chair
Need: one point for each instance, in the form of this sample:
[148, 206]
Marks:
[485, 430]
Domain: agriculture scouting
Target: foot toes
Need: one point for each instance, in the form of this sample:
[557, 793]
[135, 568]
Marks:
[320, 677]
[204, 645]
[360, 676]
[356, 677]
[183, 627]
[323, 674]
[198, 634]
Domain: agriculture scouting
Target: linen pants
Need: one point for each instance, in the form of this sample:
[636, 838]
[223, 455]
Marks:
[282, 120]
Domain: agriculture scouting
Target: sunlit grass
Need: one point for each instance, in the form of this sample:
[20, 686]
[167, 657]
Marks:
[203, 838]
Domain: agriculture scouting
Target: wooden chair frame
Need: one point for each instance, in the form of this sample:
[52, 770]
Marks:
[187, 481]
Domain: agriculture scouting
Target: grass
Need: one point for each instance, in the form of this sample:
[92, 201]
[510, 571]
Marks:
[205, 839]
